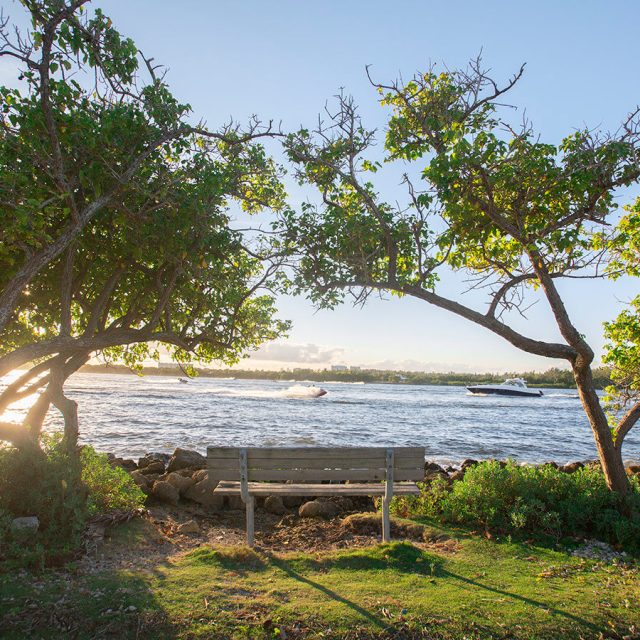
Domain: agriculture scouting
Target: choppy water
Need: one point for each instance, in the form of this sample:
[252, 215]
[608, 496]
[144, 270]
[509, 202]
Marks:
[131, 415]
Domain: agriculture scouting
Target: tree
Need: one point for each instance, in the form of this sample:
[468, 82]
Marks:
[115, 232]
[484, 197]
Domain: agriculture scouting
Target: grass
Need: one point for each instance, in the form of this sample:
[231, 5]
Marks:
[485, 589]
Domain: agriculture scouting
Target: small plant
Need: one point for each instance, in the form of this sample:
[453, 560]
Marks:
[109, 489]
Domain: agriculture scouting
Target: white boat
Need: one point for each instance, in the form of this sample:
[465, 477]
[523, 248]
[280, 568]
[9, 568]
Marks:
[510, 387]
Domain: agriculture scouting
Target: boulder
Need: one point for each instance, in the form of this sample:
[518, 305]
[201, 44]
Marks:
[292, 502]
[154, 467]
[165, 492]
[469, 462]
[200, 475]
[202, 493]
[186, 459]
[127, 465]
[457, 475]
[140, 479]
[274, 504]
[432, 467]
[318, 509]
[28, 524]
[572, 467]
[551, 463]
[180, 482]
[191, 526]
[148, 458]
[633, 468]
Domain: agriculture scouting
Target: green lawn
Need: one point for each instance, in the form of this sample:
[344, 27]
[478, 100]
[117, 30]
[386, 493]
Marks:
[484, 589]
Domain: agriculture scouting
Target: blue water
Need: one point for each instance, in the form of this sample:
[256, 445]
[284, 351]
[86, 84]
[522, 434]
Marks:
[130, 415]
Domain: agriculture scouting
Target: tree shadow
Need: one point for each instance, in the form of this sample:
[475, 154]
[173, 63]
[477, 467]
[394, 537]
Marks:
[105, 605]
[514, 596]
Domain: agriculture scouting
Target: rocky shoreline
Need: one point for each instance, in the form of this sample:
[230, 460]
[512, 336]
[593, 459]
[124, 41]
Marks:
[182, 478]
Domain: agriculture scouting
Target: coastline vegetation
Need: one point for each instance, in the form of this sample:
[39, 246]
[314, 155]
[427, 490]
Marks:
[553, 378]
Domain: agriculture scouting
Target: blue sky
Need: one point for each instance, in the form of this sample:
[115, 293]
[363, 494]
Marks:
[284, 59]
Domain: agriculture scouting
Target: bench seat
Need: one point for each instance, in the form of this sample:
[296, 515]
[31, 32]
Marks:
[271, 489]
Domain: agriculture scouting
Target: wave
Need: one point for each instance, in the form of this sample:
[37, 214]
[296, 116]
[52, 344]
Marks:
[561, 395]
[295, 391]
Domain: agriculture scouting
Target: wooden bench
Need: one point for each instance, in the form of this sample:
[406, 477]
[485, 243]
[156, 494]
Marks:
[314, 471]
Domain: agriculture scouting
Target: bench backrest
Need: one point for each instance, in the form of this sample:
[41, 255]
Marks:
[316, 464]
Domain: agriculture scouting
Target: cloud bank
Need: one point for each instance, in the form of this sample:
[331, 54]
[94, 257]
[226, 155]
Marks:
[298, 353]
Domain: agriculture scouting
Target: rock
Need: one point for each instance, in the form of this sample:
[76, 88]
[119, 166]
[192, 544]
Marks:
[457, 475]
[292, 502]
[127, 465]
[432, 467]
[450, 469]
[551, 463]
[186, 459]
[200, 475]
[140, 479]
[28, 524]
[469, 462]
[180, 482]
[154, 467]
[148, 458]
[633, 468]
[165, 492]
[202, 493]
[318, 509]
[190, 526]
[274, 504]
[572, 467]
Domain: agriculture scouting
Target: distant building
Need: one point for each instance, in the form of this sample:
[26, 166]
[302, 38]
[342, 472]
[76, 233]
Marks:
[355, 368]
[339, 367]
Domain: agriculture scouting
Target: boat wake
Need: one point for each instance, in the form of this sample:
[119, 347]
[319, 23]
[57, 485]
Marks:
[296, 391]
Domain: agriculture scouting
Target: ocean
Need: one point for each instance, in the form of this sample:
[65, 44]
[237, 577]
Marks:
[130, 416]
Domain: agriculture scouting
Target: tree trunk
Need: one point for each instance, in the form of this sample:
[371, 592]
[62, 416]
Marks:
[610, 456]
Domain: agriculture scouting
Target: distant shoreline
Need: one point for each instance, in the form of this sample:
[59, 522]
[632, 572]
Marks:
[551, 379]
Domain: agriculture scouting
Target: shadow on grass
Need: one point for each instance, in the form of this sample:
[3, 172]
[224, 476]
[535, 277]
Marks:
[401, 558]
[530, 601]
[105, 605]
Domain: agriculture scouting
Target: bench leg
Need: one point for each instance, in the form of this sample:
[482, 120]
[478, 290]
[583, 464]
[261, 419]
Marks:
[386, 523]
[250, 525]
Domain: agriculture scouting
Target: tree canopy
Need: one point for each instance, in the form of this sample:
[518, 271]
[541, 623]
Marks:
[115, 228]
[484, 197]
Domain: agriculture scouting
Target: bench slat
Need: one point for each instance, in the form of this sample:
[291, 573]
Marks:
[317, 475]
[322, 463]
[313, 453]
[261, 489]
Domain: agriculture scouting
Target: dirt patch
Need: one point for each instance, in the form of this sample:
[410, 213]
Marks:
[155, 537]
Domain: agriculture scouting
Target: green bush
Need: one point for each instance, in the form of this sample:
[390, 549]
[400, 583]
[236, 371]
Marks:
[109, 489]
[63, 492]
[532, 500]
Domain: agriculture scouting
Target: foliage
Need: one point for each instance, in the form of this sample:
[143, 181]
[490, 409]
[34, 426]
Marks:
[533, 501]
[116, 234]
[109, 489]
[48, 484]
[486, 198]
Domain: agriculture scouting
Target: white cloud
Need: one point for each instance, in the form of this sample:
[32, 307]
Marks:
[298, 353]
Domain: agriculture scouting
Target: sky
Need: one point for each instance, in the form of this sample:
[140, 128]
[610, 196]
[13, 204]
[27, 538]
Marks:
[284, 59]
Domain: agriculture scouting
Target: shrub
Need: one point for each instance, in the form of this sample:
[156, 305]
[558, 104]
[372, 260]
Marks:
[110, 489]
[533, 500]
[63, 492]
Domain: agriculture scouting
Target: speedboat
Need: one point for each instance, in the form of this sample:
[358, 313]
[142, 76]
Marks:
[510, 387]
